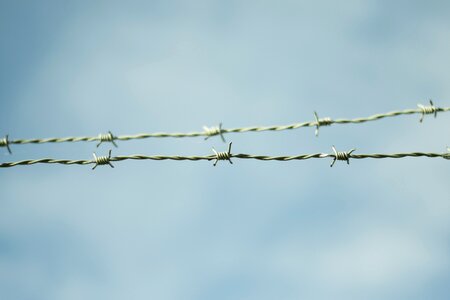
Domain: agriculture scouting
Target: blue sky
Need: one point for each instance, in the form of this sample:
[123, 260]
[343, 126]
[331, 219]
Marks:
[376, 229]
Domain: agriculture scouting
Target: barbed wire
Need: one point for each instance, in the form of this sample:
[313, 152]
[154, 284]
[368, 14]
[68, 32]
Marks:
[217, 156]
[213, 131]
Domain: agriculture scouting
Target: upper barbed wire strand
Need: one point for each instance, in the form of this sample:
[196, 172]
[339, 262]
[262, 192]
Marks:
[421, 110]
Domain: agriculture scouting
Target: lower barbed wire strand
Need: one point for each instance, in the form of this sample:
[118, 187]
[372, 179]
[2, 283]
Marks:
[421, 110]
[400, 155]
[278, 158]
[212, 157]
[161, 157]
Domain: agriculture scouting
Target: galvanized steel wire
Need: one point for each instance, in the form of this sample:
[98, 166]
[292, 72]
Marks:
[226, 155]
[103, 160]
[213, 131]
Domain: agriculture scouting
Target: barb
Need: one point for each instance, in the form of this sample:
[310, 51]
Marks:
[108, 137]
[4, 142]
[213, 131]
[428, 110]
[223, 155]
[321, 122]
[341, 156]
[103, 160]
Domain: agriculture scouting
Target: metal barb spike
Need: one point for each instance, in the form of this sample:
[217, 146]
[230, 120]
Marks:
[341, 156]
[4, 142]
[102, 160]
[108, 137]
[447, 155]
[428, 110]
[321, 122]
[212, 131]
[223, 155]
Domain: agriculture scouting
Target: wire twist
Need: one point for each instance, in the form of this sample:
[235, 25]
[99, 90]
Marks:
[321, 122]
[226, 156]
[223, 155]
[106, 137]
[426, 110]
[212, 131]
[102, 160]
[341, 156]
[4, 142]
[208, 132]
[447, 155]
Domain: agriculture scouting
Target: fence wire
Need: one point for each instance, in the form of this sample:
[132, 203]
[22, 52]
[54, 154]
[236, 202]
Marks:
[218, 130]
[226, 155]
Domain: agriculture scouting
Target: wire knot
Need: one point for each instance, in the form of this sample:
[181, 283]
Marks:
[4, 142]
[102, 160]
[223, 155]
[321, 122]
[341, 156]
[106, 137]
[426, 110]
[447, 155]
[212, 131]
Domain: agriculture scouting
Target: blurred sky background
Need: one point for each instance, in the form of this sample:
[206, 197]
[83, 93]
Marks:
[376, 229]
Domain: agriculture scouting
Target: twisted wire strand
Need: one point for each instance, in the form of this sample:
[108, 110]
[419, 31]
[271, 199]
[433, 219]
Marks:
[212, 131]
[104, 160]
[45, 161]
[401, 155]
